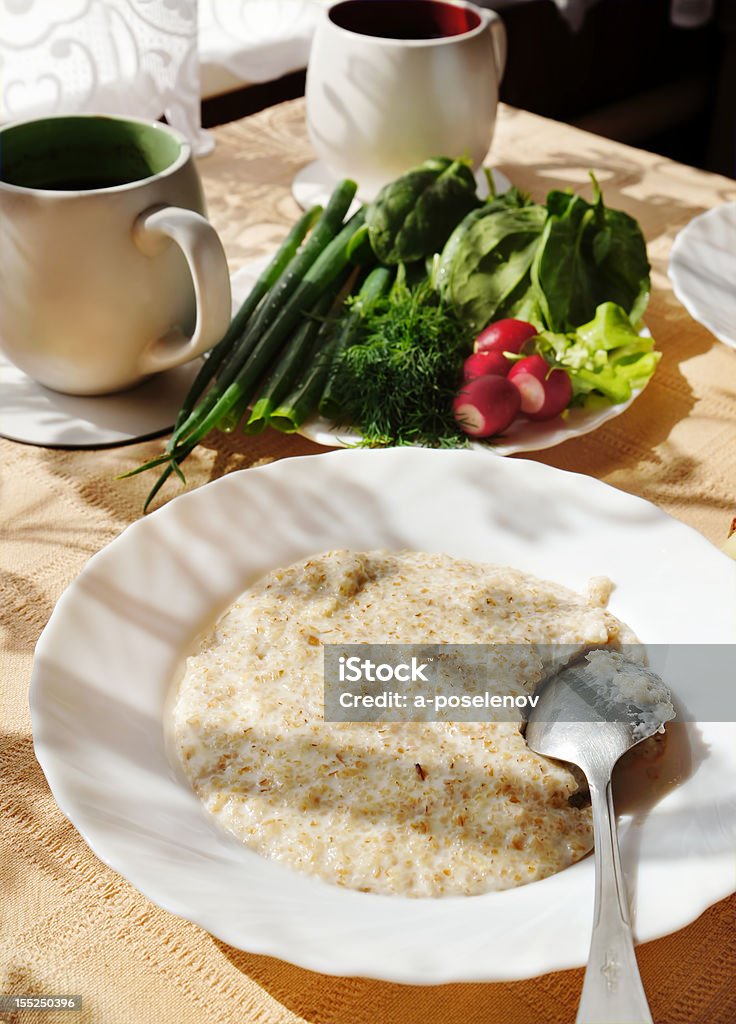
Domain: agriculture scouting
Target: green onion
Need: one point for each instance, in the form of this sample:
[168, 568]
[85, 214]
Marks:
[268, 278]
[231, 365]
[320, 275]
[296, 409]
[304, 399]
[375, 285]
[324, 232]
[239, 383]
[291, 361]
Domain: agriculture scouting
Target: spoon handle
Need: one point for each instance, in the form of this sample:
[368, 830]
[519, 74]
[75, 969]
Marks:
[612, 989]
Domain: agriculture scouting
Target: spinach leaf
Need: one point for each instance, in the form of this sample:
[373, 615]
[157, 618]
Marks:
[523, 303]
[623, 272]
[560, 272]
[589, 254]
[413, 216]
[454, 250]
[486, 261]
[552, 265]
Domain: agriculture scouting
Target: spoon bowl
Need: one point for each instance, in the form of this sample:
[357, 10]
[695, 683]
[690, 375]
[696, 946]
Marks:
[595, 709]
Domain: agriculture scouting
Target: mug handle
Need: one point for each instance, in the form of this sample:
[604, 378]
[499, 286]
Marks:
[154, 229]
[498, 39]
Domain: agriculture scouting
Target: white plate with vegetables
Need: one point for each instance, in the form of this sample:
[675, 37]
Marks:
[576, 269]
[112, 649]
[368, 321]
[523, 435]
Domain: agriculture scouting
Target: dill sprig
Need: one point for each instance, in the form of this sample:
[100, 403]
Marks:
[397, 381]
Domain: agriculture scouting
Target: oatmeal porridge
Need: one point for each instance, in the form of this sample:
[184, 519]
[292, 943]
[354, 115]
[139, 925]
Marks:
[409, 808]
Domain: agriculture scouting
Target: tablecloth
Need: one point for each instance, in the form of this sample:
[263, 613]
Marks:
[68, 923]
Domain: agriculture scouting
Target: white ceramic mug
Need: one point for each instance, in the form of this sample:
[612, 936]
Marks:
[393, 82]
[109, 271]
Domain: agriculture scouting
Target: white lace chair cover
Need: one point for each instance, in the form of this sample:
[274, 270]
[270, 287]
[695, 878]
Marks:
[134, 57]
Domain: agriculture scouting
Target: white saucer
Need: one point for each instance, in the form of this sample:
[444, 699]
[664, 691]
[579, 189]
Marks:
[35, 415]
[703, 271]
[313, 185]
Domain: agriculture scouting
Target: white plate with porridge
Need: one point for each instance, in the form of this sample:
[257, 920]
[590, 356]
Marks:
[208, 794]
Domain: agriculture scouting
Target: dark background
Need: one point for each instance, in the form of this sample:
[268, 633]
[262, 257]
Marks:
[628, 74]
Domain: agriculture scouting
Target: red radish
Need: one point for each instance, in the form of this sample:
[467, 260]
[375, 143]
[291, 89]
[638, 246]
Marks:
[504, 336]
[483, 364]
[486, 405]
[544, 392]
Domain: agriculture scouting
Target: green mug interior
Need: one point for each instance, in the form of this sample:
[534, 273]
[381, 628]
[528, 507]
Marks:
[83, 153]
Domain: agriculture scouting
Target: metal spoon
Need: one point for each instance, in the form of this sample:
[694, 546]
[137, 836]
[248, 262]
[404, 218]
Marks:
[591, 713]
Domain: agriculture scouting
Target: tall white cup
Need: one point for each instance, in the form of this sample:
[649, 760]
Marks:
[393, 82]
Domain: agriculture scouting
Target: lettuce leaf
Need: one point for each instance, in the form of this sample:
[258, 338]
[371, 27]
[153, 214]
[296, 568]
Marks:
[605, 357]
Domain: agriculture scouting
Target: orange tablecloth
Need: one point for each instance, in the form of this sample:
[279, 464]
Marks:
[70, 924]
